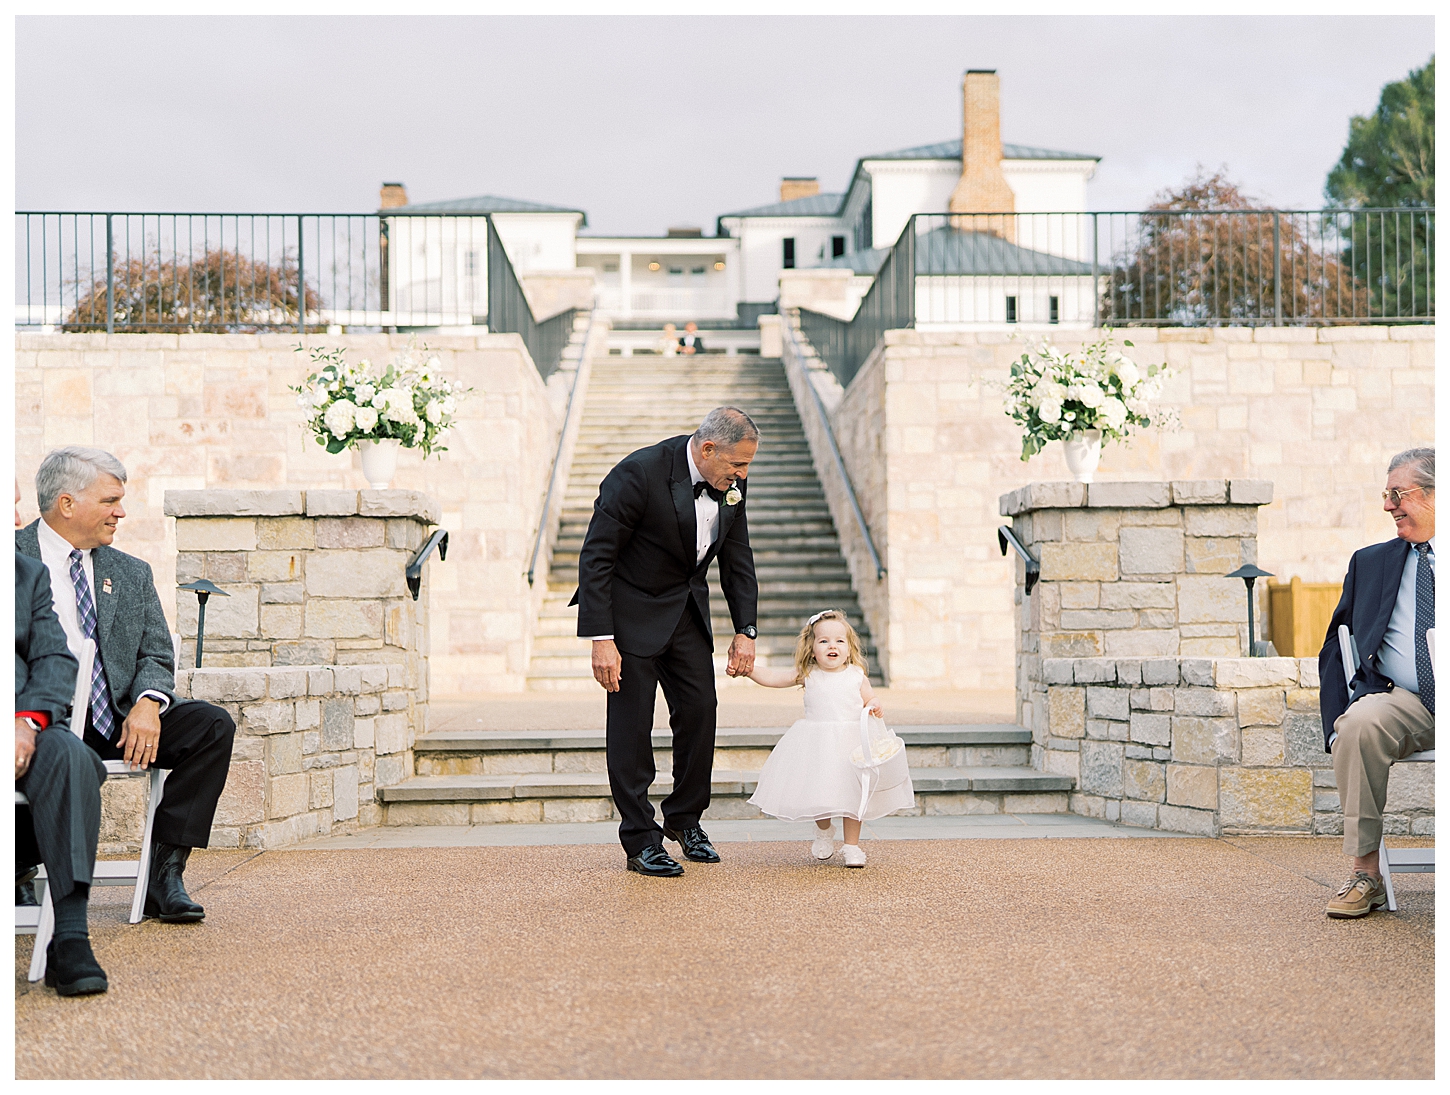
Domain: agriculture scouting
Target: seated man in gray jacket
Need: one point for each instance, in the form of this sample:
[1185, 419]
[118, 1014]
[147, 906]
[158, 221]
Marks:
[59, 776]
[108, 596]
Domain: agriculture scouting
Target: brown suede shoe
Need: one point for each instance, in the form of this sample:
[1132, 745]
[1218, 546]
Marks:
[1360, 896]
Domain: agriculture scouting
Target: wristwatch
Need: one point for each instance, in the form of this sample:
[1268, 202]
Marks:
[749, 631]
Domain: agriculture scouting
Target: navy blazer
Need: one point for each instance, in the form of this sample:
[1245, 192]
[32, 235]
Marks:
[45, 669]
[637, 568]
[1371, 588]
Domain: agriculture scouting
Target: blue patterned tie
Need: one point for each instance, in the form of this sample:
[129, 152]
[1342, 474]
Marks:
[101, 713]
[1424, 620]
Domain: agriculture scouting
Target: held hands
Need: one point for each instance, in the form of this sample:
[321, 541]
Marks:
[604, 659]
[24, 746]
[140, 734]
[742, 657]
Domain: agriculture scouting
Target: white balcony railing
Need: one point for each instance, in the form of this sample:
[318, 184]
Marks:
[667, 303]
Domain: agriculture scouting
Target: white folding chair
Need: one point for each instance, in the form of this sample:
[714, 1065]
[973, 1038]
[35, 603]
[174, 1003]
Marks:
[1392, 860]
[40, 921]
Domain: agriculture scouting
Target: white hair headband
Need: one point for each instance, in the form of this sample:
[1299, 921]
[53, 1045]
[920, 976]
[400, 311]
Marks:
[824, 612]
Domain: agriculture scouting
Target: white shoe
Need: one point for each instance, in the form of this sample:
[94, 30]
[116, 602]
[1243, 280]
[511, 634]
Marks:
[855, 857]
[824, 846]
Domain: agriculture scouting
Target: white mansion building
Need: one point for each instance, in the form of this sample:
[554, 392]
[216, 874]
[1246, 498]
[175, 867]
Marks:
[732, 277]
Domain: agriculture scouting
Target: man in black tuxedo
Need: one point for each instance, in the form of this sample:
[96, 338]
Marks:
[134, 714]
[663, 513]
[1389, 604]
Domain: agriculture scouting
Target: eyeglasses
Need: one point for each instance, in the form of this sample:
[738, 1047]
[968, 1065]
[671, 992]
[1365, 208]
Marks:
[1393, 496]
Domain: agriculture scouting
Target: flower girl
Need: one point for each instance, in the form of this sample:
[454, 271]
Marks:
[810, 774]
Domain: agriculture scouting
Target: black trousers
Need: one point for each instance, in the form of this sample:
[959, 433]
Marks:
[685, 669]
[196, 745]
[62, 824]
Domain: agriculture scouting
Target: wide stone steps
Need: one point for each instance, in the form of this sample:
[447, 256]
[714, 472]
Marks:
[481, 776]
[633, 403]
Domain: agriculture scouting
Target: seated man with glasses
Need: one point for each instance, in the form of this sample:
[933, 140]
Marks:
[1389, 604]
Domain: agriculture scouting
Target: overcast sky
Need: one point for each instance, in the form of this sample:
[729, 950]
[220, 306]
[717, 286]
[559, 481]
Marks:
[650, 122]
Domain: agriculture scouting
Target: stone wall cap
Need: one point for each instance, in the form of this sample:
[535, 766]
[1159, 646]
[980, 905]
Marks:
[399, 503]
[1251, 492]
[1136, 494]
[232, 503]
[331, 503]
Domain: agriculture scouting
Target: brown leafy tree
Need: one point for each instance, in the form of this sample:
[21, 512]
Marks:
[217, 292]
[1204, 254]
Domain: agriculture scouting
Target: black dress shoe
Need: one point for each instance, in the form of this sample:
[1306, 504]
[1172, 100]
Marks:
[71, 967]
[696, 844]
[166, 898]
[24, 891]
[655, 862]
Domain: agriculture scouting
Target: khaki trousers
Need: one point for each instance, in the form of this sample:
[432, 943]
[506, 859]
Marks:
[1374, 732]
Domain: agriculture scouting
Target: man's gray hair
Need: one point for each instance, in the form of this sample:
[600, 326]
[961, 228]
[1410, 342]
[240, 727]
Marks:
[727, 427]
[1422, 466]
[71, 470]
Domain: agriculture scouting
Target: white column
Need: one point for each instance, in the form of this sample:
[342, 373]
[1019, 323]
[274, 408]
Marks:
[626, 261]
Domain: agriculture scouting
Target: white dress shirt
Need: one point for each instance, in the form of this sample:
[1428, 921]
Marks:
[1396, 659]
[707, 516]
[55, 552]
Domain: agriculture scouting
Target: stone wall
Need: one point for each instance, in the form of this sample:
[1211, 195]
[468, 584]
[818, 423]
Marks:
[196, 411]
[1316, 411]
[313, 743]
[1205, 745]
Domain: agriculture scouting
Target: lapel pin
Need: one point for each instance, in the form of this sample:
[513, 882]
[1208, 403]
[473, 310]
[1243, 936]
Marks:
[105, 585]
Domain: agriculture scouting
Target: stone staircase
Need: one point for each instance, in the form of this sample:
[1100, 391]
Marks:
[634, 402]
[474, 777]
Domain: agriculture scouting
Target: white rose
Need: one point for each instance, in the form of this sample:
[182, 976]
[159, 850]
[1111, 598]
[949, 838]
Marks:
[1049, 410]
[380, 400]
[434, 412]
[365, 393]
[319, 396]
[365, 418]
[1127, 372]
[1114, 414]
[1089, 395]
[339, 418]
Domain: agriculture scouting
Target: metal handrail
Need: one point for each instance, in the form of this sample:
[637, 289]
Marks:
[1005, 536]
[414, 573]
[836, 453]
[559, 453]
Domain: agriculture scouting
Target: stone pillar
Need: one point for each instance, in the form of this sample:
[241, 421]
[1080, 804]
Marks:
[1129, 571]
[314, 577]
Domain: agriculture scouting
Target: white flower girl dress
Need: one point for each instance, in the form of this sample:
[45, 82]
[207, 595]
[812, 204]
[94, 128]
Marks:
[809, 775]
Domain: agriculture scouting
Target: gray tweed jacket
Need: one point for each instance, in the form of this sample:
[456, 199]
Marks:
[45, 671]
[134, 639]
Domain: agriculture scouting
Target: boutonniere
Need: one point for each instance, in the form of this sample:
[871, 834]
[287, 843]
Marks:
[732, 496]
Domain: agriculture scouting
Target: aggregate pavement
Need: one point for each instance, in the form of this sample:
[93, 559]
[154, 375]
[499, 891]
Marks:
[944, 958]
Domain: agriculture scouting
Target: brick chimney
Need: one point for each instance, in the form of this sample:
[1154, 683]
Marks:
[982, 188]
[393, 196]
[798, 186]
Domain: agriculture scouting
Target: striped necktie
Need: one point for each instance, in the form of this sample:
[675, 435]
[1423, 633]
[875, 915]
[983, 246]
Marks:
[1424, 620]
[102, 714]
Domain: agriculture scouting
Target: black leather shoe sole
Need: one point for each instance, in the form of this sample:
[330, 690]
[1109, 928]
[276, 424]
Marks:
[705, 857]
[186, 917]
[674, 870]
[81, 986]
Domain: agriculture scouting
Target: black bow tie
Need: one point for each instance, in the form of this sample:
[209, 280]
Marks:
[703, 487]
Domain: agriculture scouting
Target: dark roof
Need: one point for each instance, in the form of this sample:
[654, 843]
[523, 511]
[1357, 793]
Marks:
[484, 203]
[817, 205]
[952, 150]
[974, 254]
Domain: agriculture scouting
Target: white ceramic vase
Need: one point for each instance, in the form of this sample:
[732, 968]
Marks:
[379, 461]
[1082, 451]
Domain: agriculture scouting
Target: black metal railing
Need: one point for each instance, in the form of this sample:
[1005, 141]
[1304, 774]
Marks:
[508, 310]
[242, 272]
[1174, 268]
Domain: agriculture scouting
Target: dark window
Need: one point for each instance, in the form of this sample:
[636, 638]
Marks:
[788, 253]
[838, 246]
[1051, 309]
[1011, 309]
[697, 269]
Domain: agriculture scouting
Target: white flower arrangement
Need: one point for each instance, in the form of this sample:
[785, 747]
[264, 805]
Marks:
[1054, 395]
[408, 400]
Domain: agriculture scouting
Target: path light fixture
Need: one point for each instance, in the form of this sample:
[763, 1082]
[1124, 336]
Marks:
[1250, 574]
[203, 589]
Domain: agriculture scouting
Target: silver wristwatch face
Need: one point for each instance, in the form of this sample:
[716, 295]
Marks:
[748, 631]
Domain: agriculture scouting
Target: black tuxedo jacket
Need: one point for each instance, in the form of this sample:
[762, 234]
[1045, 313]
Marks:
[45, 670]
[637, 569]
[133, 638]
[1370, 590]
